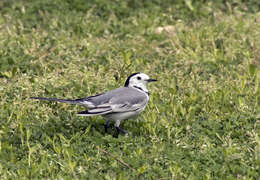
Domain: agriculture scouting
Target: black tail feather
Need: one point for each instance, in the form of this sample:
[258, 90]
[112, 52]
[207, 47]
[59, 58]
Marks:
[57, 100]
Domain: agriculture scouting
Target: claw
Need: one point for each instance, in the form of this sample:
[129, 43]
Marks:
[106, 128]
[119, 130]
[115, 135]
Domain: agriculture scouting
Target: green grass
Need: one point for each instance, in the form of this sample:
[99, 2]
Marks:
[203, 117]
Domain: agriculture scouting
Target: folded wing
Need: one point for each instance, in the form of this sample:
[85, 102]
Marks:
[116, 101]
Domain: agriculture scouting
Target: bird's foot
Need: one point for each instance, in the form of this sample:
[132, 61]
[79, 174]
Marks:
[106, 127]
[119, 130]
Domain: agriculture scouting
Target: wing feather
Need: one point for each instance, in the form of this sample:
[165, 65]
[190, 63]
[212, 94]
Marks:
[94, 112]
[116, 101]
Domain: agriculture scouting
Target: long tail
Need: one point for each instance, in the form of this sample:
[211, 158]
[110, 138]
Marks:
[69, 101]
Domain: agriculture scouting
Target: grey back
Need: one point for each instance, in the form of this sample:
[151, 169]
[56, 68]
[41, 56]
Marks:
[120, 95]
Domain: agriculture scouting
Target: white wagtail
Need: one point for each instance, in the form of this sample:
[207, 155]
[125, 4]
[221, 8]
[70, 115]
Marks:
[115, 105]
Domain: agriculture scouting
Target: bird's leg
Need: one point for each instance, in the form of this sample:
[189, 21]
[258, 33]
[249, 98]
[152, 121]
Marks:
[121, 130]
[106, 126]
[118, 129]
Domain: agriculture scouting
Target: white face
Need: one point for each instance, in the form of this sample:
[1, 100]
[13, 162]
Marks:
[138, 80]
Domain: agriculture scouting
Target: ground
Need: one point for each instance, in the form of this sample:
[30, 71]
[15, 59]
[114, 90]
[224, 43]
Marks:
[203, 117]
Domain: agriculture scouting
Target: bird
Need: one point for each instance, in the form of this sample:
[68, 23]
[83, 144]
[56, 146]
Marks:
[115, 105]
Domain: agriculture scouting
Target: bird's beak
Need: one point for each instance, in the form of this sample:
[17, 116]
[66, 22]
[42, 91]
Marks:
[151, 80]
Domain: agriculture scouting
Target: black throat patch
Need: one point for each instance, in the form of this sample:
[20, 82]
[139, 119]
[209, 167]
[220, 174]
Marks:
[141, 89]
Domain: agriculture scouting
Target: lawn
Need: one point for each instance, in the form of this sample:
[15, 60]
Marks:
[203, 117]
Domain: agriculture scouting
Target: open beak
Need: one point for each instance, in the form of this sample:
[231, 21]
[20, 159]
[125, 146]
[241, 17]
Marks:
[151, 80]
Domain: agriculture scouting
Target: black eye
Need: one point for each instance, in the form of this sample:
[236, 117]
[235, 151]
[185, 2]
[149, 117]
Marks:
[139, 78]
